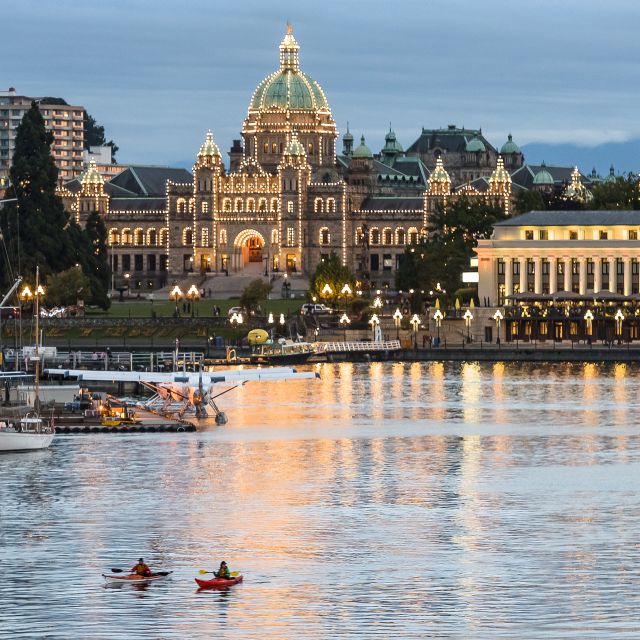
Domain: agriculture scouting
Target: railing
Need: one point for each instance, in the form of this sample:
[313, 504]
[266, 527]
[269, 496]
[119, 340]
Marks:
[334, 347]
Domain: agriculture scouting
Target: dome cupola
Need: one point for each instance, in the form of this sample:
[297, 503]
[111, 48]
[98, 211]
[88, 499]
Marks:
[362, 151]
[509, 146]
[543, 178]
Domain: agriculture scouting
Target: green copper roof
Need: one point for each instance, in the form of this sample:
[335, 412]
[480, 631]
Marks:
[543, 177]
[612, 175]
[362, 151]
[391, 144]
[288, 89]
[475, 145]
[510, 146]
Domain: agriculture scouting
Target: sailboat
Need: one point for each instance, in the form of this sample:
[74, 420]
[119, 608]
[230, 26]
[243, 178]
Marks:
[30, 432]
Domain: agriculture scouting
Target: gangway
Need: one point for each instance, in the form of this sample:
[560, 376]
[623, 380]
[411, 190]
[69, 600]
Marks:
[362, 347]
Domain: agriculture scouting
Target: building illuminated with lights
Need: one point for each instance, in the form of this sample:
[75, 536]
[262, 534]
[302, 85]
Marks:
[289, 198]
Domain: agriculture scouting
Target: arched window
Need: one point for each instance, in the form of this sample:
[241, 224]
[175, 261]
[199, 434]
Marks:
[226, 204]
[181, 205]
[164, 234]
[204, 237]
[205, 207]
[114, 236]
[223, 236]
[318, 205]
[324, 236]
[413, 235]
[127, 237]
[262, 204]
[359, 235]
[265, 148]
[387, 236]
[187, 237]
[152, 237]
[192, 205]
[274, 147]
[400, 236]
[251, 205]
[374, 236]
[238, 205]
[138, 236]
[274, 236]
[331, 205]
[310, 147]
[274, 204]
[289, 207]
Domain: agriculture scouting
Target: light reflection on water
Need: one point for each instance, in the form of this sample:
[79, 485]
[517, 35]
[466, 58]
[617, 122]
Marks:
[385, 500]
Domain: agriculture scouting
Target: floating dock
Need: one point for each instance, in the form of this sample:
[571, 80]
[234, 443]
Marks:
[143, 427]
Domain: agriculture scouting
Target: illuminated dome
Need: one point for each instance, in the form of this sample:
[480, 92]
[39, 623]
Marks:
[289, 88]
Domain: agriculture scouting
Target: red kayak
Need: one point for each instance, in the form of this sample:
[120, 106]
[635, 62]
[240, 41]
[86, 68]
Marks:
[218, 583]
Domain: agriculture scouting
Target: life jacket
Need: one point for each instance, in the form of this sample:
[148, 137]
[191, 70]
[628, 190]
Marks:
[223, 572]
[141, 569]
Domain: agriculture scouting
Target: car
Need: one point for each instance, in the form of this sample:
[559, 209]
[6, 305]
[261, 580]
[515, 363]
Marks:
[312, 308]
[8, 313]
[234, 311]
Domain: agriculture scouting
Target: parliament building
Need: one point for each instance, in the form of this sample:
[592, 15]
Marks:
[289, 197]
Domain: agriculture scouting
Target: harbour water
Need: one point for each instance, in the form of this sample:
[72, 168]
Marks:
[385, 500]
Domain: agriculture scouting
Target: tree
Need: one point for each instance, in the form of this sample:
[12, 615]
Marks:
[621, 193]
[34, 227]
[254, 293]
[528, 200]
[454, 231]
[94, 135]
[66, 287]
[331, 272]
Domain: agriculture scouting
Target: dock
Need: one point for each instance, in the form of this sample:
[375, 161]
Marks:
[85, 429]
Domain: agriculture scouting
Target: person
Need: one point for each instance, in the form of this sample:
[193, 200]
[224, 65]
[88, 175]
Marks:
[223, 572]
[142, 568]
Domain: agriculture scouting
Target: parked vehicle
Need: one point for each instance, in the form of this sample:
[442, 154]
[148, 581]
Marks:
[8, 313]
[312, 308]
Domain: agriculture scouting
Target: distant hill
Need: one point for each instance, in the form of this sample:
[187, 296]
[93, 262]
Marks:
[625, 156]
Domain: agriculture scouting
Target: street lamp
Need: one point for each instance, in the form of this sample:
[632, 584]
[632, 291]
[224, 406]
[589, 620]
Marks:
[327, 291]
[468, 317]
[588, 316]
[176, 294]
[270, 318]
[415, 323]
[345, 321]
[374, 321]
[193, 294]
[236, 321]
[498, 317]
[346, 292]
[397, 318]
[619, 317]
[438, 316]
[282, 320]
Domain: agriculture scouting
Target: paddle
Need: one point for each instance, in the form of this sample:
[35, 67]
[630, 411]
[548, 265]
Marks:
[233, 574]
[155, 573]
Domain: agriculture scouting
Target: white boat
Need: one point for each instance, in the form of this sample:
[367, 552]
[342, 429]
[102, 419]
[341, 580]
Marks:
[26, 434]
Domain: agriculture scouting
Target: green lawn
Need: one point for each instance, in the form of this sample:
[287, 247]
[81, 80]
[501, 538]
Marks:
[202, 308]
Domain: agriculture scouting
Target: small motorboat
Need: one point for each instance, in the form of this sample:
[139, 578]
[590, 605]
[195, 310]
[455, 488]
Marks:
[135, 578]
[218, 583]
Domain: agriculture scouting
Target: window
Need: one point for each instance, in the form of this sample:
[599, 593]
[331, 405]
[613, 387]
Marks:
[226, 204]
[324, 236]
[289, 207]
[290, 236]
[126, 262]
[310, 147]
[274, 236]
[575, 266]
[531, 266]
[274, 204]
[374, 236]
[543, 234]
[516, 267]
[266, 147]
[274, 147]
[560, 267]
[633, 234]
[331, 205]
[500, 267]
[528, 234]
[590, 267]
[205, 207]
[573, 235]
[359, 235]
[619, 267]
[387, 262]
[163, 237]
[413, 236]
[605, 267]
[187, 237]
[634, 266]
[262, 204]
[400, 236]
[387, 236]
[545, 267]
[181, 205]
[318, 205]
[204, 237]
[251, 205]
[152, 237]
[127, 238]
[238, 206]
[114, 236]
[603, 235]
[138, 237]
[223, 236]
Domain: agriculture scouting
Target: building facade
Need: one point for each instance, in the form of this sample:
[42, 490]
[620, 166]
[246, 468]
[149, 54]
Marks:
[65, 122]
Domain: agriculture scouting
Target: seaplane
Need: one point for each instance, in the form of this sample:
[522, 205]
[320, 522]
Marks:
[179, 393]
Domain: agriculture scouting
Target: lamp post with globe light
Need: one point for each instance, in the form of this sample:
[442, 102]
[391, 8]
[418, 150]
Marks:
[588, 317]
[345, 322]
[397, 318]
[193, 294]
[374, 321]
[415, 323]
[175, 295]
[437, 317]
[498, 317]
[468, 317]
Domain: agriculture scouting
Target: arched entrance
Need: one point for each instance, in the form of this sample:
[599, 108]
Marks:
[248, 248]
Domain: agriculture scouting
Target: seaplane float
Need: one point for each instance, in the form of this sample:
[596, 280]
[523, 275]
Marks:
[179, 393]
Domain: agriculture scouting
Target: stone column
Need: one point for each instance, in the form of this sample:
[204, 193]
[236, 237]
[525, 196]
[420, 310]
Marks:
[523, 275]
[567, 274]
[597, 274]
[553, 274]
[627, 275]
[508, 276]
[583, 275]
[613, 274]
[537, 261]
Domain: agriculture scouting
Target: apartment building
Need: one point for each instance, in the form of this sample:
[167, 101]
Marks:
[64, 121]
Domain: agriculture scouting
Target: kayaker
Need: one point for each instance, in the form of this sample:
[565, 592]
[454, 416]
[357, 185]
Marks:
[223, 572]
[142, 569]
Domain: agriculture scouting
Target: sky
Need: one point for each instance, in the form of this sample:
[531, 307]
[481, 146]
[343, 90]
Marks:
[158, 74]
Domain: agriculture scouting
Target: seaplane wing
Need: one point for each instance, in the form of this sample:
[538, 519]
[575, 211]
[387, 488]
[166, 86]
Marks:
[206, 379]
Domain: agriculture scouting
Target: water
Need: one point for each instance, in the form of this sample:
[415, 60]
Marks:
[383, 501]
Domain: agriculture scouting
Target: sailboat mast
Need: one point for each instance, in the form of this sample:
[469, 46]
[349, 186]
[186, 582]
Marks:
[36, 401]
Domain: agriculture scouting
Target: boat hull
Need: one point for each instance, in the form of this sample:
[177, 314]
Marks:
[134, 578]
[17, 441]
[218, 583]
[278, 359]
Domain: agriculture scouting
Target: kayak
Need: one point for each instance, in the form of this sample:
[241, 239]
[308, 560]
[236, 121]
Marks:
[135, 578]
[218, 583]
